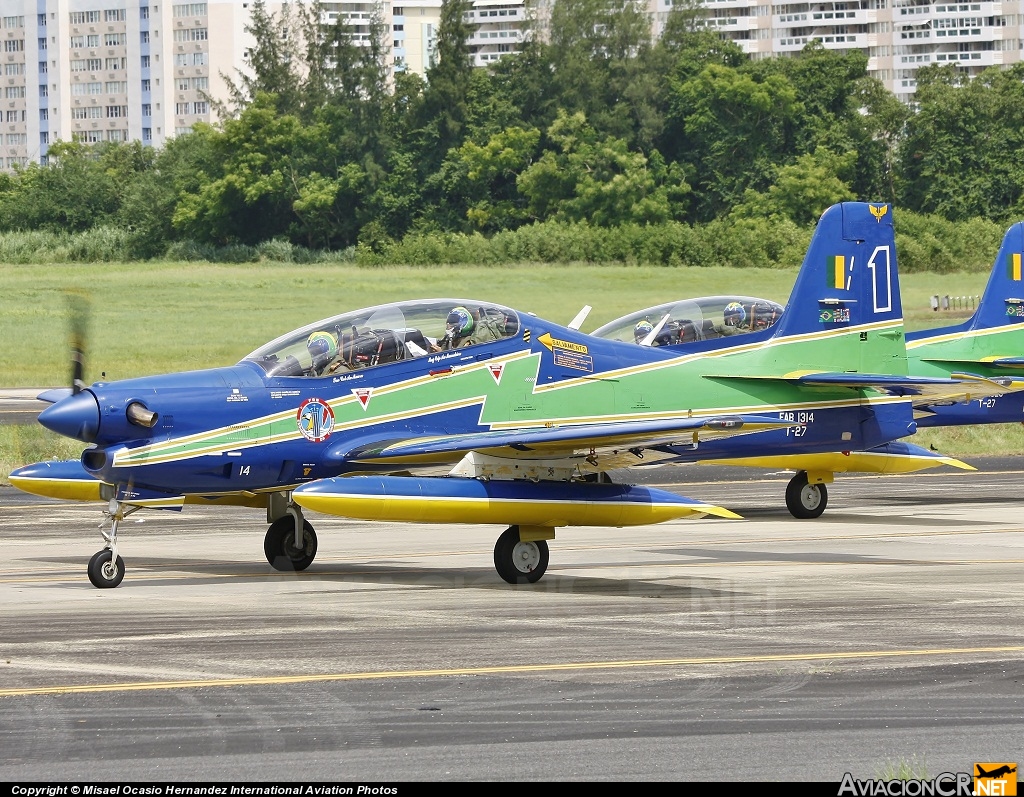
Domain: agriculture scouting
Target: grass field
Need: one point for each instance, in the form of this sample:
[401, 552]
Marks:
[157, 317]
[151, 318]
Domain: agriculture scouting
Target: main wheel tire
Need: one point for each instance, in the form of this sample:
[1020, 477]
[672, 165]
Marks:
[279, 545]
[519, 562]
[805, 500]
[104, 573]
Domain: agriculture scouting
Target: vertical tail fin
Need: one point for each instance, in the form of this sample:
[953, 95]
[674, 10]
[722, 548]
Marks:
[1003, 300]
[846, 299]
[848, 278]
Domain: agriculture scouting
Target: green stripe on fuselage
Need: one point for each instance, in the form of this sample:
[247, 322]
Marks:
[649, 390]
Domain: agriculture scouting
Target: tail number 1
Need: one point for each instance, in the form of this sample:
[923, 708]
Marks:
[880, 264]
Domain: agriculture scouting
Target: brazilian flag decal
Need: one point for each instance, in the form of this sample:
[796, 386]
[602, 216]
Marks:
[837, 272]
[1013, 266]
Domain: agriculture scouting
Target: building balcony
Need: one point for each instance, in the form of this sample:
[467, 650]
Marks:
[982, 59]
[484, 37]
[731, 24]
[727, 3]
[831, 41]
[486, 15]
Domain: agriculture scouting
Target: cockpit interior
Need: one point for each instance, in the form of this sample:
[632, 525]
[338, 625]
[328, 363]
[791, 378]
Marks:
[385, 334]
[691, 320]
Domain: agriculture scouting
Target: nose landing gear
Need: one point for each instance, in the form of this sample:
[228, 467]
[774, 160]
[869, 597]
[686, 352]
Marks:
[106, 568]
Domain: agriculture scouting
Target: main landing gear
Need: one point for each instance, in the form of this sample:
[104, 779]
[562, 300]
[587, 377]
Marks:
[290, 543]
[805, 499]
[521, 553]
[106, 568]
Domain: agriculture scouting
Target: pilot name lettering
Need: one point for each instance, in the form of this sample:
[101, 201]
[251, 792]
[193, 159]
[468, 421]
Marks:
[437, 358]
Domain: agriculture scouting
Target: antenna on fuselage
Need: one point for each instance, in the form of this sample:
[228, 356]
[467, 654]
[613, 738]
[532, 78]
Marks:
[581, 316]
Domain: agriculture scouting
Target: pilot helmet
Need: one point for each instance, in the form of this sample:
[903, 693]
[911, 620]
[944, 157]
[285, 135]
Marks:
[734, 314]
[642, 330]
[459, 322]
[322, 347]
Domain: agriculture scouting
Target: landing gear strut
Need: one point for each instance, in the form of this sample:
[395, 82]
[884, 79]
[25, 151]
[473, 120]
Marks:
[106, 568]
[518, 561]
[287, 548]
[805, 500]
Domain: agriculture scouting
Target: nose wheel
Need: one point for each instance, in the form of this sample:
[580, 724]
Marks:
[106, 568]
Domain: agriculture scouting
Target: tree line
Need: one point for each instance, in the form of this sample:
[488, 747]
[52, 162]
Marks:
[593, 140]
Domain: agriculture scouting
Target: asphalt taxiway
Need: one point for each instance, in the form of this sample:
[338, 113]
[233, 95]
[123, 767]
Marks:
[891, 629]
[20, 405]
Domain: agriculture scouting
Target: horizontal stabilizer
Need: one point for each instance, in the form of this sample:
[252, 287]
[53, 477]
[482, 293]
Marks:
[958, 387]
[409, 499]
[1008, 362]
[999, 362]
[921, 389]
[895, 457]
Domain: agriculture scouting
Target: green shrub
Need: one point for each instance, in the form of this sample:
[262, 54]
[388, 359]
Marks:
[924, 243]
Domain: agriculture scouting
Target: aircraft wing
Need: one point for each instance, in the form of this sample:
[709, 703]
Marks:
[559, 440]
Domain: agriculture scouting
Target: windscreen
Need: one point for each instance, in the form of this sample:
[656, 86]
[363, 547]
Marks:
[385, 334]
[691, 320]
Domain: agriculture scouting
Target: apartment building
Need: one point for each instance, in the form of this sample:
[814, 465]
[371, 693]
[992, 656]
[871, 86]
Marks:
[898, 36]
[120, 70]
[112, 70]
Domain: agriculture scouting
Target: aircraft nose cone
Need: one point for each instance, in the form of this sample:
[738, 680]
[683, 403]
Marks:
[76, 416]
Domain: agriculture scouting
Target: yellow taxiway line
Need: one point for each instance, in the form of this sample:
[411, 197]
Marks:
[831, 656]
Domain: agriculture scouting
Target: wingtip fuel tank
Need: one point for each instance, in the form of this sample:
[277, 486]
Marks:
[551, 504]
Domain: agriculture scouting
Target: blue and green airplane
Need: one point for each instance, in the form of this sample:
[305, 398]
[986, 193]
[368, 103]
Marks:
[466, 411]
[987, 348]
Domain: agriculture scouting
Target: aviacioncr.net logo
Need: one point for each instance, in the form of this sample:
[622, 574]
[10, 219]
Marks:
[992, 779]
[947, 784]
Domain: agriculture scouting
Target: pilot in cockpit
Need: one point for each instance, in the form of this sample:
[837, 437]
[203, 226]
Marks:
[642, 330]
[458, 328]
[735, 320]
[323, 352]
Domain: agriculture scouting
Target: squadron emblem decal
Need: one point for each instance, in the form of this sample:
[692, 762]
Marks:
[363, 394]
[315, 420]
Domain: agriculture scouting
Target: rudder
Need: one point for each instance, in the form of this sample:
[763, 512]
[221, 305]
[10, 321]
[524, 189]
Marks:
[849, 276]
